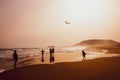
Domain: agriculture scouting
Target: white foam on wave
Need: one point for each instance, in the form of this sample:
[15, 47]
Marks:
[2, 70]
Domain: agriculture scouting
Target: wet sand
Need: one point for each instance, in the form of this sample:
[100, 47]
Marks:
[96, 69]
[34, 59]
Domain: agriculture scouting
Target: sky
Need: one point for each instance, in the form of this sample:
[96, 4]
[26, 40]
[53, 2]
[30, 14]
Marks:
[40, 23]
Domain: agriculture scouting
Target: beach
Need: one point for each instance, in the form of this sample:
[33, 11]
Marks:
[33, 56]
[59, 40]
[68, 65]
[96, 69]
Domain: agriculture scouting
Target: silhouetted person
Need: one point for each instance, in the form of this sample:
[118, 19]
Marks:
[52, 59]
[84, 54]
[53, 51]
[15, 58]
[50, 55]
[50, 52]
[42, 55]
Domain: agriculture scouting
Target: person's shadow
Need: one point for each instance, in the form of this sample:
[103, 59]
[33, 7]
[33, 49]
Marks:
[42, 60]
[52, 59]
[14, 65]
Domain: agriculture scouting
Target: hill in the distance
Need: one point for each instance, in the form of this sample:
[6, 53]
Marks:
[98, 43]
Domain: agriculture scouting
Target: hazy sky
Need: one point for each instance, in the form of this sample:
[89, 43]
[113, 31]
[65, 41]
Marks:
[37, 23]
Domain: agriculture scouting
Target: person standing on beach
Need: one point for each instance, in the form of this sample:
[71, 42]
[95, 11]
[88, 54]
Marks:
[50, 52]
[83, 54]
[50, 55]
[42, 55]
[52, 59]
[15, 58]
[53, 51]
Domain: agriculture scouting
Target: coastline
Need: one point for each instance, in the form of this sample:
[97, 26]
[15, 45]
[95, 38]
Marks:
[62, 57]
[95, 69]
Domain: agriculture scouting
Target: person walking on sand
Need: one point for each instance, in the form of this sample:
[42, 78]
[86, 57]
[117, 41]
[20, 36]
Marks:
[15, 58]
[83, 54]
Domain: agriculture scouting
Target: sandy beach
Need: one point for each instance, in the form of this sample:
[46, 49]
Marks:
[34, 57]
[59, 40]
[96, 69]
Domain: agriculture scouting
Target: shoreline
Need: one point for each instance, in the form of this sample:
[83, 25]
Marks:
[95, 69]
[36, 61]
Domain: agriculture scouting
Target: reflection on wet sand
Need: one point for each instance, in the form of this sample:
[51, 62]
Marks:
[33, 59]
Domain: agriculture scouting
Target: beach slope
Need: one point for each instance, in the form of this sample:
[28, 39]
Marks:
[97, 69]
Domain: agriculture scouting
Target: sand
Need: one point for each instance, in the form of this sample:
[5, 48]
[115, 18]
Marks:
[96, 69]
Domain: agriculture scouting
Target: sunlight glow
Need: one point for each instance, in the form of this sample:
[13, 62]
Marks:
[35, 23]
[81, 11]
